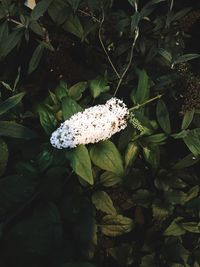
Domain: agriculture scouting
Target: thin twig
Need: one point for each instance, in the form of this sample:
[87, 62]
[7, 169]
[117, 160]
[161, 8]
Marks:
[104, 48]
[89, 15]
[129, 63]
[145, 103]
[16, 22]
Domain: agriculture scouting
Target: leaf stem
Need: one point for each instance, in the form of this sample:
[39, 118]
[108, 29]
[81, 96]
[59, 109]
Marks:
[145, 103]
[130, 61]
[104, 48]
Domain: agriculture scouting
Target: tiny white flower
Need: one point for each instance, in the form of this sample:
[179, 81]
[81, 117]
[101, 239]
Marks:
[92, 125]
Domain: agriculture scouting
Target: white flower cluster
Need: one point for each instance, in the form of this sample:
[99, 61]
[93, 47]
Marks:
[92, 125]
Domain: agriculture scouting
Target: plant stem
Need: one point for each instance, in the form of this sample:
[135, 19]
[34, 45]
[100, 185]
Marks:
[104, 48]
[129, 63]
[16, 22]
[145, 103]
[89, 15]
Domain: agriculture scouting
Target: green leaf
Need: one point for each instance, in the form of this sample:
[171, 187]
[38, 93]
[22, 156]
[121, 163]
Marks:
[98, 86]
[186, 162]
[10, 42]
[187, 119]
[165, 54]
[81, 163]
[124, 254]
[142, 92]
[37, 235]
[78, 264]
[135, 19]
[15, 190]
[192, 141]
[73, 25]
[11, 102]
[3, 31]
[152, 155]
[175, 228]
[47, 119]
[175, 197]
[163, 116]
[143, 198]
[109, 179]
[106, 156]
[74, 4]
[116, 225]
[103, 202]
[35, 59]
[185, 58]
[40, 9]
[77, 89]
[15, 130]
[69, 107]
[192, 227]
[61, 90]
[131, 154]
[3, 156]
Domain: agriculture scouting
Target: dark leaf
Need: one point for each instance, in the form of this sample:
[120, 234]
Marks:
[11, 102]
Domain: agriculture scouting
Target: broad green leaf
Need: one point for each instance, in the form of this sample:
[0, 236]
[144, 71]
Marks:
[35, 59]
[74, 3]
[69, 107]
[135, 19]
[39, 234]
[175, 228]
[152, 155]
[163, 116]
[81, 163]
[185, 58]
[160, 210]
[3, 31]
[109, 179]
[3, 156]
[103, 202]
[192, 227]
[165, 54]
[73, 25]
[47, 119]
[187, 119]
[37, 28]
[142, 197]
[155, 138]
[116, 225]
[10, 42]
[124, 254]
[61, 90]
[175, 197]
[106, 156]
[11, 102]
[77, 89]
[131, 154]
[15, 130]
[186, 162]
[142, 92]
[98, 86]
[40, 9]
[192, 141]
[15, 190]
[78, 264]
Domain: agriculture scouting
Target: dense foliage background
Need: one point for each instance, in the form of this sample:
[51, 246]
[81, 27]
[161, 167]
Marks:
[129, 201]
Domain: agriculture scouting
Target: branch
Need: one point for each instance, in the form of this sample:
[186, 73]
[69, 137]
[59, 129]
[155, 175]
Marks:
[130, 61]
[104, 48]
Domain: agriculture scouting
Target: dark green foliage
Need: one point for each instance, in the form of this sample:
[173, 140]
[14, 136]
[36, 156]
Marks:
[133, 200]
